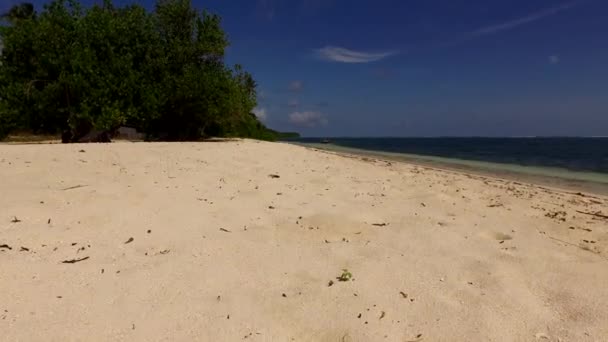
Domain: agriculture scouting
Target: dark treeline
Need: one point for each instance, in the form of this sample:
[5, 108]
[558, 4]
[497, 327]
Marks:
[75, 70]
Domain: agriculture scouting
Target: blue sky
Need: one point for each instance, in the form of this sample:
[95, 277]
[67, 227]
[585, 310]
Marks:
[423, 68]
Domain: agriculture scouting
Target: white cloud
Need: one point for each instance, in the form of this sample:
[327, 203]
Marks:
[554, 59]
[524, 20]
[342, 55]
[308, 118]
[262, 95]
[296, 86]
[260, 113]
[512, 24]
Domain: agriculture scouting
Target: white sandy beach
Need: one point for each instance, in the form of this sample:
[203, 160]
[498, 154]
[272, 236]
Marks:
[198, 242]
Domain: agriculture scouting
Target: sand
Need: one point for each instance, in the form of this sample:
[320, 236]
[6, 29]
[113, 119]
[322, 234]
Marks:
[245, 240]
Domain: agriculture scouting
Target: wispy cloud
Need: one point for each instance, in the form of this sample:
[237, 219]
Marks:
[296, 86]
[308, 119]
[262, 95]
[512, 24]
[343, 55]
[554, 59]
[260, 113]
[524, 20]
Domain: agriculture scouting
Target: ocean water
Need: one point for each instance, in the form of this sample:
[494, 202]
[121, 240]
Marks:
[584, 159]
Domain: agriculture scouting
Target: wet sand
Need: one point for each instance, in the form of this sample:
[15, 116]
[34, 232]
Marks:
[552, 177]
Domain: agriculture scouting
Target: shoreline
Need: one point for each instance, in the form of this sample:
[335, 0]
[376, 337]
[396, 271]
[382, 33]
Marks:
[479, 168]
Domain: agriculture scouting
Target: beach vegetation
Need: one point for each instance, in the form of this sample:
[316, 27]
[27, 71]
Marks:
[73, 70]
[345, 276]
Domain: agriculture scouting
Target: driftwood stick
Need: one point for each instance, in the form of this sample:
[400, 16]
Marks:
[598, 214]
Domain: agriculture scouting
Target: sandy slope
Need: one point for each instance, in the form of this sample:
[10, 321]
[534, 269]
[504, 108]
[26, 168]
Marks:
[221, 251]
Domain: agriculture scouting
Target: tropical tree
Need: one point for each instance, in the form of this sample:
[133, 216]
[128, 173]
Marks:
[75, 70]
[19, 12]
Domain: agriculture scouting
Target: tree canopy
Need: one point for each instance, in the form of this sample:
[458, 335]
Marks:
[73, 69]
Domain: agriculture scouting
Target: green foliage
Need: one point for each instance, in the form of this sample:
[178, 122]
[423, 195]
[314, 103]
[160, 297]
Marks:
[252, 127]
[19, 12]
[162, 72]
[345, 276]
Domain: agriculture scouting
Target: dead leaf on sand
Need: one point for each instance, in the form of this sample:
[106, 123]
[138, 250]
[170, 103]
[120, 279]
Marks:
[418, 338]
[73, 187]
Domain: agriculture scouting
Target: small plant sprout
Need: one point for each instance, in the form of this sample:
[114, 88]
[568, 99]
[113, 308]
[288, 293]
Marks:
[345, 276]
